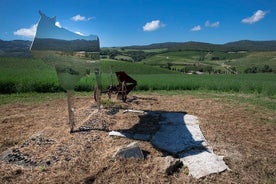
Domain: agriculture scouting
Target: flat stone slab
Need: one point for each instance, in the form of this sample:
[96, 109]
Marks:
[201, 164]
[180, 135]
[178, 132]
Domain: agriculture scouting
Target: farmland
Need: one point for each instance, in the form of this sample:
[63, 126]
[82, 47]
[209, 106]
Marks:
[26, 75]
[207, 61]
[21, 75]
[236, 113]
[33, 75]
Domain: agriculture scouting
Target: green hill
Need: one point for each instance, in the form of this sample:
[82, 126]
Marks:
[20, 48]
[245, 45]
[216, 61]
[15, 48]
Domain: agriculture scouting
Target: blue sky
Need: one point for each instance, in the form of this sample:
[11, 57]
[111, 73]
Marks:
[141, 22]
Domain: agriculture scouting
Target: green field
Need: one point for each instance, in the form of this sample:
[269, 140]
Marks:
[244, 83]
[25, 75]
[33, 75]
[258, 59]
[218, 60]
[133, 68]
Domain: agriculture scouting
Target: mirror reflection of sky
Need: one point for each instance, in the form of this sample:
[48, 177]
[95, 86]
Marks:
[51, 37]
[47, 29]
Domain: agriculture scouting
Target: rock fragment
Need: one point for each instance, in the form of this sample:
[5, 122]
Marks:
[130, 151]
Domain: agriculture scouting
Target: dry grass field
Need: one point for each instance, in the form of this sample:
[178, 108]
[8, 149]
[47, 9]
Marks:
[36, 137]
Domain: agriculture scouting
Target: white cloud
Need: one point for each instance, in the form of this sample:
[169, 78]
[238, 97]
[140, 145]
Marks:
[196, 28]
[81, 18]
[26, 32]
[209, 24]
[257, 16]
[30, 32]
[153, 25]
[58, 24]
[79, 33]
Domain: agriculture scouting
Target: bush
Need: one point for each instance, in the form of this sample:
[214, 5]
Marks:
[7, 87]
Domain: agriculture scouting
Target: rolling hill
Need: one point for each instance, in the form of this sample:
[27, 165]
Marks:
[21, 47]
[245, 45]
[15, 48]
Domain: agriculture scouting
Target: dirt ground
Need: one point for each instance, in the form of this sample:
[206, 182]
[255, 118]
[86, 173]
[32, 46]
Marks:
[36, 146]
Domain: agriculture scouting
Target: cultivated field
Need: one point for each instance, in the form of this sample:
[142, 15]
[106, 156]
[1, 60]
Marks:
[31, 75]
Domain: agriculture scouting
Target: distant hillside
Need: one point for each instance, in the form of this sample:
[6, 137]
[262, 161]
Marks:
[15, 48]
[20, 48]
[176, 46]
[245, 45]
[251, 45]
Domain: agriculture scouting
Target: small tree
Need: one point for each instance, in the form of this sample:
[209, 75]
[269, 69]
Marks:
[266, 68]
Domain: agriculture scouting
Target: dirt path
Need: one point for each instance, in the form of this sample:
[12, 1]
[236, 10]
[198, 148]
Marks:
[42, 151]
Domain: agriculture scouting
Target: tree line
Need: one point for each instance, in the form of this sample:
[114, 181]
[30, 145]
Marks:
[255, 69]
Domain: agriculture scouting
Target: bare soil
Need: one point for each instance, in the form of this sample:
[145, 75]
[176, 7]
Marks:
[36, 146]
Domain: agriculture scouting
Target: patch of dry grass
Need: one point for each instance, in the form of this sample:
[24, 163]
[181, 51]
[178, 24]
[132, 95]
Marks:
[241, 135]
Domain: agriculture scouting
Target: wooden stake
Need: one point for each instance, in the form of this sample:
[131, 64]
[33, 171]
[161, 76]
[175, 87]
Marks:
[70, 111]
